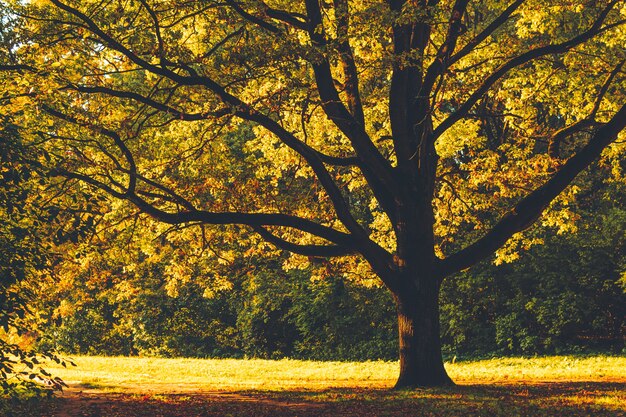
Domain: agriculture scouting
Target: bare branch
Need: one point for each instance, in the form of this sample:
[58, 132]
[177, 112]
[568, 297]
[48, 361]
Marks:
[595, 29]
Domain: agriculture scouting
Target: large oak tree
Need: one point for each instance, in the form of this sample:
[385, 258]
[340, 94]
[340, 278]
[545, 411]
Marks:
[416, 136]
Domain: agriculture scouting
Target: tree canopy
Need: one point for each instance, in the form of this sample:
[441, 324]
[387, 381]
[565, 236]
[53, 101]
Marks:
[408, 139]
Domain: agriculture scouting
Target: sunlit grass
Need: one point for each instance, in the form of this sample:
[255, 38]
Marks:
[542, 369]
[174, 375]
[548, 386]
[122, 373]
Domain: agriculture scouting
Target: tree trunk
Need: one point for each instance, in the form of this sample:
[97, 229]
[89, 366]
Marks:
[416, 289]
[421, 362]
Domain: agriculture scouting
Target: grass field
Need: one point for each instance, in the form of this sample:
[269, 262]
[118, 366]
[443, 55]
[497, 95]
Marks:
[550, 386]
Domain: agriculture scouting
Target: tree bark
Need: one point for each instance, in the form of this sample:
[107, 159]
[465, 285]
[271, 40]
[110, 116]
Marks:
[421, 362]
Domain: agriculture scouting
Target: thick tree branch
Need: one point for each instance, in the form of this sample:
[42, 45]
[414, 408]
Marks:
[556, 139]
[331, 103]
[17, 67]
[296, 20]
[554, 143]
[528, 210]
[253, 19]
[293, 20]
[408, 111]
[323, 251]
[424, 150]
[376, 168]
[179, 114]
[441, 62]
[248, 219]
[342, 16]
[339, 161]
[485, 33]
[217, 218]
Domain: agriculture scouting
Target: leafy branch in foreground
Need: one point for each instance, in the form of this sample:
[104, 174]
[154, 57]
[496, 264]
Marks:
[24, 255]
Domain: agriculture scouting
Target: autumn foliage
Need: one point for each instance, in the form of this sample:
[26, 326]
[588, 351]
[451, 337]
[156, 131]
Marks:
[392, 143]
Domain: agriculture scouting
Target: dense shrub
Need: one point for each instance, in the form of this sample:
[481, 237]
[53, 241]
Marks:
[563, 296]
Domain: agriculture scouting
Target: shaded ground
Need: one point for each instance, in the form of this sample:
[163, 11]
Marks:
[519, 399]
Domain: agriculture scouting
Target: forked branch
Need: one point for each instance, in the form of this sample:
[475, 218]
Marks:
[524, 214]
[595, 29]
